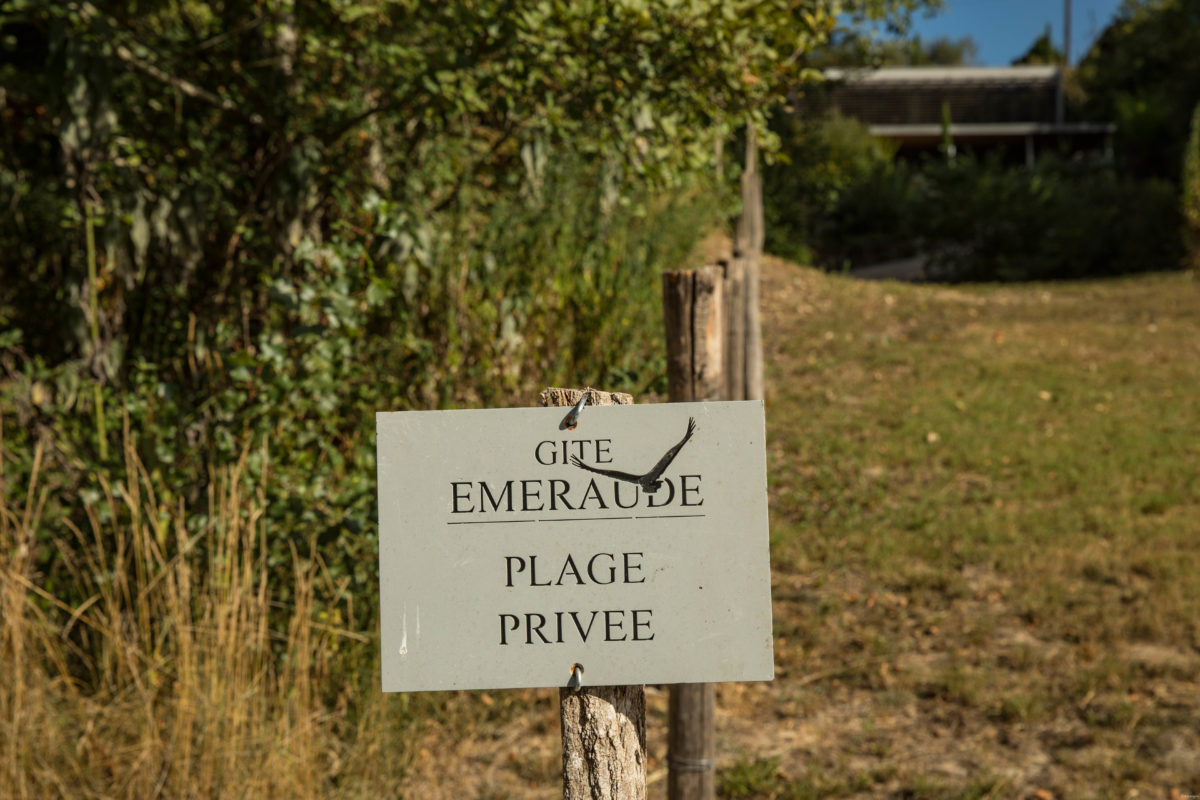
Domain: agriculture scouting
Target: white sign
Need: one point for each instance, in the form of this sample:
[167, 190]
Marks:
[635, 545]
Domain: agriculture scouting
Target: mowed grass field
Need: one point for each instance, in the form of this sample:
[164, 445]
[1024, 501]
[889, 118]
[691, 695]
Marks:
[986, 540]
[985, 507]
[985, 536]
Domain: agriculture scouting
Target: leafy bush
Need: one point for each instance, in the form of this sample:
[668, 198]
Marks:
[820, 163]
[981, 220]
[872, 220]
[975, 218]
[1143, 73]
[397, 310]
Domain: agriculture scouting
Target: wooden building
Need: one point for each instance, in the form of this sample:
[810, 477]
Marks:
[1019, 108]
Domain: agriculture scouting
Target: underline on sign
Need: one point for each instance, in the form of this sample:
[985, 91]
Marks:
[569, 519]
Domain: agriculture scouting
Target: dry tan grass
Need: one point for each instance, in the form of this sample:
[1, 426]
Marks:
[168, 680]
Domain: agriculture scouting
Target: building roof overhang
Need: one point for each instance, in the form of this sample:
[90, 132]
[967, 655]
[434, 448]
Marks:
[892, 77]
[993, 129]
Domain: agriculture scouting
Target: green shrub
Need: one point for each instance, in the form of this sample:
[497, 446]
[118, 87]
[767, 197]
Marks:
[873, 219]
[837, 197]
[977, 218]
[820, 162]
[398, 310]
[982, 220]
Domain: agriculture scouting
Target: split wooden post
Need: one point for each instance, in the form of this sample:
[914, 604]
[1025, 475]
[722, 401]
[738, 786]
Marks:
[693, 314]
[696, 316]
[603, 727]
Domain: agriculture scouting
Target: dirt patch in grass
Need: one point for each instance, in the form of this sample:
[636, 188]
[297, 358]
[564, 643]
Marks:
[985, 540]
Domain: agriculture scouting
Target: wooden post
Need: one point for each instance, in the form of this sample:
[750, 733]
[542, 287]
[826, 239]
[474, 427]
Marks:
[696, 320]
[603, 727]
[691, 742]
[677, 320]
[749, 246]
[735, 328]
[708, 334]
[712, 318]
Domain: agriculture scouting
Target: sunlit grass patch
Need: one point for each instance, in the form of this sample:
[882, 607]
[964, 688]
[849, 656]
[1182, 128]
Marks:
[1018, 464]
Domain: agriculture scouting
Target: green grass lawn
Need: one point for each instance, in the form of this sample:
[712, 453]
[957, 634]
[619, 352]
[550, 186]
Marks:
[986, 538]
[985, 553]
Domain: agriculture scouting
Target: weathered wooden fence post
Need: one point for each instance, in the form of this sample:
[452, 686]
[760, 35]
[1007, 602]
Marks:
[714, 352]
[736, 314]
[749, 246]
[696, 312]
[691, 742]
[694, 318]
[603, 727]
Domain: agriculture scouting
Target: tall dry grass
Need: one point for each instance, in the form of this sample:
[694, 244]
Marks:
[168, 679]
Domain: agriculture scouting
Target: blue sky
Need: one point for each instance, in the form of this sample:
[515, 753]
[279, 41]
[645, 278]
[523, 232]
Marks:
[1004, 29]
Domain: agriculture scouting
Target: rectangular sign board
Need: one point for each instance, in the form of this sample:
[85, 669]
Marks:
[635, 545]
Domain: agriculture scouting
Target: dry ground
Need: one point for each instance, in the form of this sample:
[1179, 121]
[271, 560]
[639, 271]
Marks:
[986, 556]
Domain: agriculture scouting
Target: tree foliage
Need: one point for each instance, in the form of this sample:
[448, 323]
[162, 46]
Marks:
[853, 49]
[1042, 51]
[1144, 74]
[237, 224]
[209, 138]
[199, 143]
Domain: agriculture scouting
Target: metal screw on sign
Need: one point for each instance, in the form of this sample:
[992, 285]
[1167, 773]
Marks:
[572, 419]
[576, 682]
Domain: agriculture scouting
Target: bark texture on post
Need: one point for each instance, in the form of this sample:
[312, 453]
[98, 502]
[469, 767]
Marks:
[604, 742]
[569, 397]
[603, 727]
[753, 334]
[691, 742]
[750, 231]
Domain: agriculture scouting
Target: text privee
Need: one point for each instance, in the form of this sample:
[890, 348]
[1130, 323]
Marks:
[570, 624]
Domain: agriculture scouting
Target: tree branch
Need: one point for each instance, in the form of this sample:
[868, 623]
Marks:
[183, 85]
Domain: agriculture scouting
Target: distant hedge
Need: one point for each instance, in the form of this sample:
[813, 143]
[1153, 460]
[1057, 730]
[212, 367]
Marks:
[838, 198]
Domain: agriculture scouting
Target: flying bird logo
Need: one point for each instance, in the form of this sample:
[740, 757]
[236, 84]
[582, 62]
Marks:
[651, 482]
